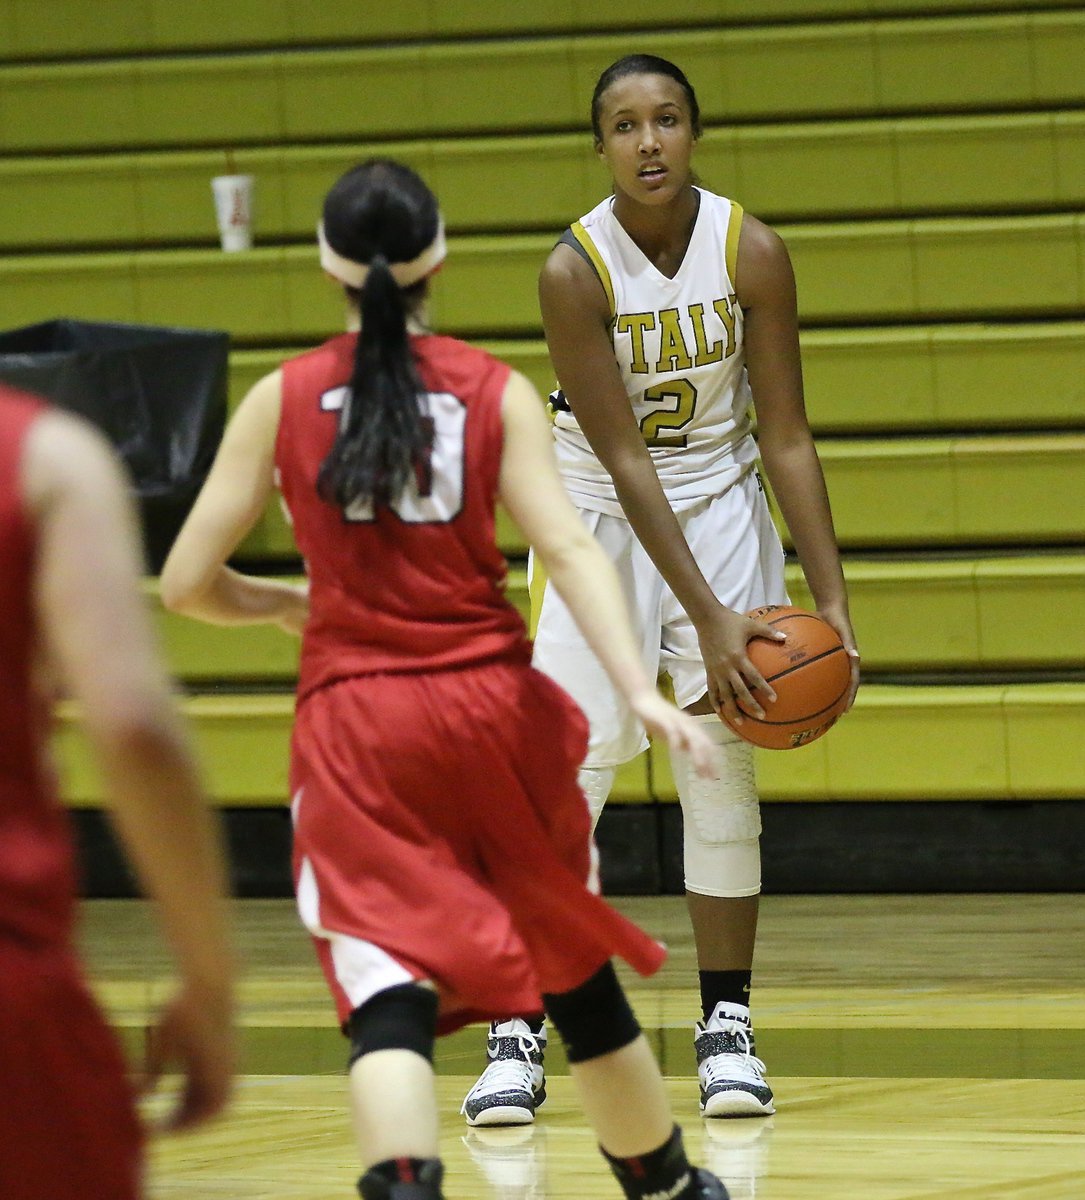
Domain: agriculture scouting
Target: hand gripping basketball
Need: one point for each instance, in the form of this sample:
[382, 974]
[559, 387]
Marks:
[810, 672]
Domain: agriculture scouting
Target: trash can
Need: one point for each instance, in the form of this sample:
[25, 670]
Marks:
[158, 394]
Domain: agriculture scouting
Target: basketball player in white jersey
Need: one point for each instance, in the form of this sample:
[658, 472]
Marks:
[668, 313]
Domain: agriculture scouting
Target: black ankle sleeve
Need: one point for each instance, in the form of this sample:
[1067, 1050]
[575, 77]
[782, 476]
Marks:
[403, 1179]
[663, 1171]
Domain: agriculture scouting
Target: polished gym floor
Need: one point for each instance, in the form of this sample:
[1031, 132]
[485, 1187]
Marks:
[921, 1048]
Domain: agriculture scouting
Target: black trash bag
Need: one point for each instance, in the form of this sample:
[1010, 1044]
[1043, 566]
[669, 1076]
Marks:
[159, 395]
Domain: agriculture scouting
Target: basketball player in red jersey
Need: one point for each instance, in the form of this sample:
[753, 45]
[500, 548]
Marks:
[71, 612]
[442, 854]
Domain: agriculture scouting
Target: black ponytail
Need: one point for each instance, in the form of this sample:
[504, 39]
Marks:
[380, 213]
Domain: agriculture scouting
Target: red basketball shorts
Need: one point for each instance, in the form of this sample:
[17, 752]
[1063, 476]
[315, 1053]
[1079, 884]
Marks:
[440, 834]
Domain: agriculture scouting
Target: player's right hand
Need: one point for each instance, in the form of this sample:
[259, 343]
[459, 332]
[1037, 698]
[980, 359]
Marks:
[295, 608]
[195, 1032]
[681, 733]
[731, 676]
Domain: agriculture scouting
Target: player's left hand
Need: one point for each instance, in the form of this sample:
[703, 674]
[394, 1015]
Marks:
[195, 1032]
[840, 621]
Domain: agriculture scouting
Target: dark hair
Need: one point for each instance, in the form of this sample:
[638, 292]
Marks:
[643, 64]
[379, 213]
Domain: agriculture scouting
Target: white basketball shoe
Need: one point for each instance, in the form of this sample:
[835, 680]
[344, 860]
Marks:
[513, 1085]
[732, 1077]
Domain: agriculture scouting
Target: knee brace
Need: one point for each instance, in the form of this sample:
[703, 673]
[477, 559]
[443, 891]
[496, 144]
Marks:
[399, 1018]
[595, 783]
[593, 1019]
[721, 818]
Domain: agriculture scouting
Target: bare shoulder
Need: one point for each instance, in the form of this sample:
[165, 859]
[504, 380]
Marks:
[520, 392]
[67, 457]
[564, 266]
[566, 278]
[267, 389]
[764, 265]
[263, 400]
[252, 430]
[521, 406]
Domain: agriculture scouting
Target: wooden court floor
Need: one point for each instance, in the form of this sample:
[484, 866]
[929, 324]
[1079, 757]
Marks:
[921, 1048]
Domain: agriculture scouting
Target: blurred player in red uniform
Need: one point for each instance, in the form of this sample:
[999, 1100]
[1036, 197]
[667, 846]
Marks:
[443, 856]
[71, 615]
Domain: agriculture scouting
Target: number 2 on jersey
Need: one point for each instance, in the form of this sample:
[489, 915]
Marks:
[679, 398]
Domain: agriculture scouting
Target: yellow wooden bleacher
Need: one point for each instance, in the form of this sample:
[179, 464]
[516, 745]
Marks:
[900, 493]
[925, 160]
[948, 165]
[979, 743]
[899, 271]
[882, 379]
[935, 616]
[757, 71]
[68, 29]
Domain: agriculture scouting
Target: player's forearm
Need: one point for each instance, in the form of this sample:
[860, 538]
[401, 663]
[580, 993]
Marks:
[230, 598]
[172, 840]
[799, 487]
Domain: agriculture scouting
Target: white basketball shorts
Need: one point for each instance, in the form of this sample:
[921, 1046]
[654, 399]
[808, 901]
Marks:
[735, 544]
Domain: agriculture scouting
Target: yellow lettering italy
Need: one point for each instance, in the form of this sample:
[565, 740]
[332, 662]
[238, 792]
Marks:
[636, 325]
[673, 355]
[726, 312]
[705, 354]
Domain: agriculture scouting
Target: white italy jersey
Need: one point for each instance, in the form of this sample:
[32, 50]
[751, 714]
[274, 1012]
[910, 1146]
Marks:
[679, 345]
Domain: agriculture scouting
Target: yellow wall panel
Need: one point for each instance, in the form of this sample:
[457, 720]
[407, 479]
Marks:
[1025, 266]
[244, 294]
[1026, 610]
[1057, 49]
[212, 23]
[849, 269]
[81, 106]
[335, 94]
[832, 67]
[982, 164]
[90, 200]
[1029, 490]
[42, 287]
[935, 743]
[826, 170]
[1045, 735]
[44, 30]
[953, 63]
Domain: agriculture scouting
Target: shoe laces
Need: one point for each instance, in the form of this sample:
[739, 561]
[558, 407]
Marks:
[509, 1073]
[738, 1065]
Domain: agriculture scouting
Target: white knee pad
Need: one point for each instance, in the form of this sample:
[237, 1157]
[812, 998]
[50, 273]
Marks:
[721, 818]
[595, 783]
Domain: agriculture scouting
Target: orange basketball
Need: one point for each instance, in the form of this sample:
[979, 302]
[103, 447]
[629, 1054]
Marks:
[810, 674]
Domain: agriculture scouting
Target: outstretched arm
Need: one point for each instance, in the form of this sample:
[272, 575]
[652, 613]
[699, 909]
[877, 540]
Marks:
[576, 565]
[98, 644]
[195, 580]
[766, 290]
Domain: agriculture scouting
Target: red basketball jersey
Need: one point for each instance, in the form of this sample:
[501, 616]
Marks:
[421, 585]
[36, 874]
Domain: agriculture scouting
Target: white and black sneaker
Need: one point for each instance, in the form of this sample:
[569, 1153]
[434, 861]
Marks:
[513, 1085]
[732, 1078]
